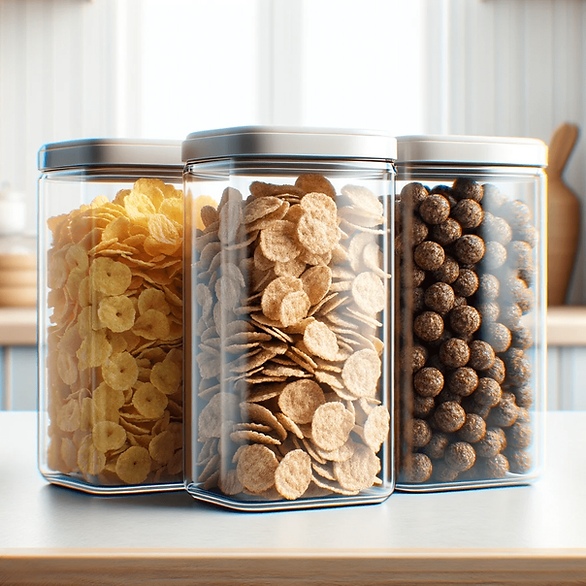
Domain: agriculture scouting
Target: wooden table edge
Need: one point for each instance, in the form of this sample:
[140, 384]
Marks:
[336, 566]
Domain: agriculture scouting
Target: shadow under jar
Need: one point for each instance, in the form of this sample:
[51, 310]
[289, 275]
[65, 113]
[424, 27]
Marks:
[289, 317]
[470, 258]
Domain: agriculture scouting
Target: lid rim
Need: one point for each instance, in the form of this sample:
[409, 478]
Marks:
[109, 152]
[472, 149]
[282, 141]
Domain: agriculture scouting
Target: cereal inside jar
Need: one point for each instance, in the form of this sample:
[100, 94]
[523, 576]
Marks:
[472, 341]
[290, 323]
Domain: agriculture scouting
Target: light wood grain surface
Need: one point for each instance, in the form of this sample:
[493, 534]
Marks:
[526, 535]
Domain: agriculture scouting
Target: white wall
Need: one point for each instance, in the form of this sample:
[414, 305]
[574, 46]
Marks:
[513, 68]
[164, 68]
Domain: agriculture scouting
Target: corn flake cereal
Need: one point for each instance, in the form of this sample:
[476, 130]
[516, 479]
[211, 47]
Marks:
[114, 366]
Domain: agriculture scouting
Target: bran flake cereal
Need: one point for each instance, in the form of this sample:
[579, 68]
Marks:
[290, 349]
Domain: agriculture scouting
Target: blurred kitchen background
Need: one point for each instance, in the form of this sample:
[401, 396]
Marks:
[164, 68]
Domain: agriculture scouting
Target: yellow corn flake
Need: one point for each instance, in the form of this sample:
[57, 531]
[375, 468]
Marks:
[90, 460]
[149, 401]
[120, 371]
[166, 376]
[117, 313]
[109, 276]
[94, 350]
[153, 299]
[152, 325]
[133, 465]
[108, 435]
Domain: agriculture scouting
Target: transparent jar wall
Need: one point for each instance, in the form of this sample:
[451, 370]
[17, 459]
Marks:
[110, 329]
[289, 343]
[472, 345]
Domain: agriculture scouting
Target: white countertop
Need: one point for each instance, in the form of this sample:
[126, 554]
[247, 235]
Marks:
[520, 535]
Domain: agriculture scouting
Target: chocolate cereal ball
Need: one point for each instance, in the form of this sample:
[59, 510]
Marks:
[525, 299]
[495, 255]
[526, 233]
[414, 193]
[418, 276]
[496, 466]
[454, 353]
[434, 209]
[437, 445]
[497, 335]
[429, 256]
[464, 319]
[488, 393]
[415, 359]
[417, 468]
[510, 316]
[419, 231]
[519, 461]
[449, 417]
[488, 287]
[520, 255]
[496, 371]
[428, 382]
[422, 406]
[516, 213]
[497, 229]
[417, 298]
[489, 311]
[468, 213]
[448, 272]
[518, 367]
[439, 297]
[505, 413]
[460, 456]
[462, 381]
[466, 284]
[491, 444]
[443, 473]
[481, 355]
[469, 249]
[519, 435]
[446, 232]
[420, 433]
[493, 199]
[474, 428]
[428, 326]
[523, 396]
[463, 188]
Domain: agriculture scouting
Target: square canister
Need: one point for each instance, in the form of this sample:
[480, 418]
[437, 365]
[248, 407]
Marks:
[470, 249]
[110, 337]
[289, 317]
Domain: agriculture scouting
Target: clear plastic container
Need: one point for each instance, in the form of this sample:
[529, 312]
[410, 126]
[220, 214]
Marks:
[471, 263]
[290, 317]
[110, 335]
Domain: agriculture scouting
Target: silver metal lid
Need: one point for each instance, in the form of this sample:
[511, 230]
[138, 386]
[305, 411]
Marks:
[110, 152]
[488, 150]
[271, 141]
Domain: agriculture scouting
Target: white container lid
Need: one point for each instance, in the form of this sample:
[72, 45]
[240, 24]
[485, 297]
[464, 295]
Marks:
[297, 142]
[481, 150]
[110, 152]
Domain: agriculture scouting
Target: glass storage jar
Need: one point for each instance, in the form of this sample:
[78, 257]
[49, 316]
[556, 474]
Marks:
[110, 335]
[289, 319]
[471, 250]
